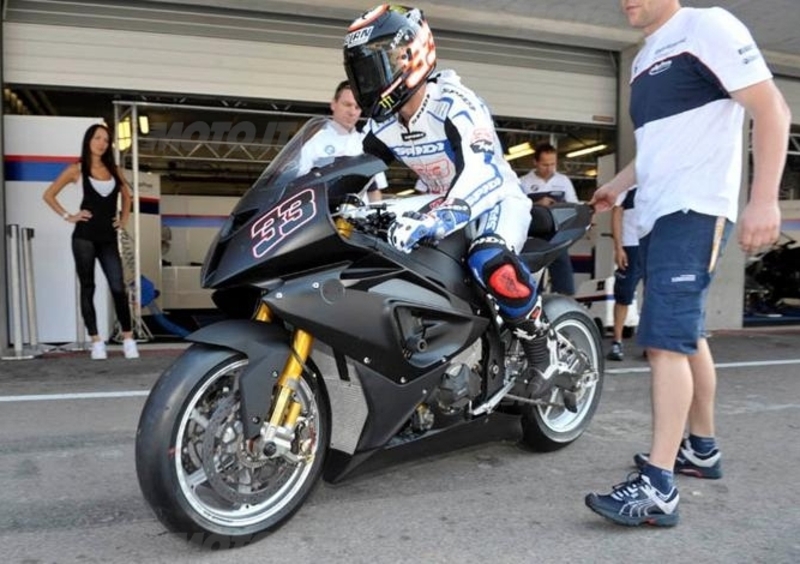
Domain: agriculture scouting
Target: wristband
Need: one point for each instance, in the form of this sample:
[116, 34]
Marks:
[65, 215]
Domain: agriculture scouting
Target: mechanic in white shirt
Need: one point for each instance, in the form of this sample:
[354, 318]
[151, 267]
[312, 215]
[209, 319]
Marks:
[340, 138]
[626, 258]
[697, 75]
[545, 187]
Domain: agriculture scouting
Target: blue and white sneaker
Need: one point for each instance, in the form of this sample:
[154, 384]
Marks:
[616, 352]
[690, 463]
[636, 502]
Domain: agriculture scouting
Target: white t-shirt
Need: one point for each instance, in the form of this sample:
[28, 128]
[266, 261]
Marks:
[688, 129]
[626, 201]
[333, 141]
[558, 186]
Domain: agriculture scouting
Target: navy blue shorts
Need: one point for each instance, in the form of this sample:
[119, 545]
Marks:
[678, 259]
[625, 279]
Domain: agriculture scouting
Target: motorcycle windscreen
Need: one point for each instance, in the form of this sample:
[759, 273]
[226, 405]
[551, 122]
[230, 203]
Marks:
[262, 196]
[289, 165]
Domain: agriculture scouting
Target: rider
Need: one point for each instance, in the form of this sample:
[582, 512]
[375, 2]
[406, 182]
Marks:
[445, 133]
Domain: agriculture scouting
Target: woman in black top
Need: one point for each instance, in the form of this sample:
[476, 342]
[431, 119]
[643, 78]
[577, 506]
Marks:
[95, 234]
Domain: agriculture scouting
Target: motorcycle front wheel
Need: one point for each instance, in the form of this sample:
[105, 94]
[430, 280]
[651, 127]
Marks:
[192, 460]
[551, 427]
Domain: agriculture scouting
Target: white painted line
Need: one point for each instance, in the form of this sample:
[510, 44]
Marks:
[627, 370]
[137, 394]
[87, 395]
[719, 366]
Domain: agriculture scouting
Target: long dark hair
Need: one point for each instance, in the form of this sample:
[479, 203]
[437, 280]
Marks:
[107, 158]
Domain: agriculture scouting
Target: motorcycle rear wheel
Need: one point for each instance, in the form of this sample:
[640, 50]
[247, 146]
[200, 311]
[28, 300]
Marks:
[191, 462]
[547, 428]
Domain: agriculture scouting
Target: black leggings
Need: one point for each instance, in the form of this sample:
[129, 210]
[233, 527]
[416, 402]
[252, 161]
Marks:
[85, 252]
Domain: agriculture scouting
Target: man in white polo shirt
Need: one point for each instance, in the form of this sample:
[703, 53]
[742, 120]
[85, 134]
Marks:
[340, 138]
[626, 259]
[545, 186]
[697, 73]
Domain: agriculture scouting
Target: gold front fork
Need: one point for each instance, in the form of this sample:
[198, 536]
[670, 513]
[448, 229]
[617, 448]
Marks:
[286, 411]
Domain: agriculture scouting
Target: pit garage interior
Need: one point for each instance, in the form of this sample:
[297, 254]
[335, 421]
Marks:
[205, 93]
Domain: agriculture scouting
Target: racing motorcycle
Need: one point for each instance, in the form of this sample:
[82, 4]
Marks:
[772, 279]
[338, 351]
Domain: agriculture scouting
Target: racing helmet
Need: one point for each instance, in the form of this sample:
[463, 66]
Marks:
[388, 55]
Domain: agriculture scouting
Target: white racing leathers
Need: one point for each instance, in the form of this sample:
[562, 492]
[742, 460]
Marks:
[451, 143]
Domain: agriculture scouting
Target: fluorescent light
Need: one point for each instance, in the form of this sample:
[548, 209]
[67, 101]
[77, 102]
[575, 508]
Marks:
[124, 134]
[519, 153]
[586, 151]
[144, 124]
[519, 148]
[406, 193]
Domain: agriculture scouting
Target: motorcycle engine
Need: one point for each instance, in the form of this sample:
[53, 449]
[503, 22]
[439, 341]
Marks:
[459, 385]
[461, 382]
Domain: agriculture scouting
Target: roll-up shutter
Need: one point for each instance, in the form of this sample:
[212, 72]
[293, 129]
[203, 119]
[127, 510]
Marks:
[154, 48]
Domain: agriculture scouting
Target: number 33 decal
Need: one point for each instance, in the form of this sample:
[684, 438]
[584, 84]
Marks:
[278, 223]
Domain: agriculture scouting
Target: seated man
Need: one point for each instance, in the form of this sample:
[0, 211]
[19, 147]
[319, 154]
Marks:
[445, 133]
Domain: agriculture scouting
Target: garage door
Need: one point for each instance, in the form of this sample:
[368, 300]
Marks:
[255, 55]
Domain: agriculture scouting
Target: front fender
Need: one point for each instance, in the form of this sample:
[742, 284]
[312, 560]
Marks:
[266, 347]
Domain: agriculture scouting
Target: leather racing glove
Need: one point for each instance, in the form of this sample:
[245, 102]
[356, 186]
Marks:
[443, 218]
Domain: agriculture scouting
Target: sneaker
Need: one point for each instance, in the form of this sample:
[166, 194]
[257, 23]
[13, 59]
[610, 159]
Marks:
[99, 350]
[689, 463]
[616, 351]
[129, 348]
[636, 502]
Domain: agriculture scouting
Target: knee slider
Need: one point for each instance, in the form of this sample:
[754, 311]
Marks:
[503, 275]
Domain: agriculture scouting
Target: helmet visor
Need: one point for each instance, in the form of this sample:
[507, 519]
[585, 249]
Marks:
[372, 72]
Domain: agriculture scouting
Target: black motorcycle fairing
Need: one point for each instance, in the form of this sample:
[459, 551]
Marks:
[570, 222]
[408, 339]
[391, 403]
[444, 263]
[262, 236]
[376, 448]
[267, 245]
[267, 347]
[496, 426]
[441, 262]
[347, 176]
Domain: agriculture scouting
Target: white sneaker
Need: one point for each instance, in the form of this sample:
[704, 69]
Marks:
[129, 348]
[99, 350]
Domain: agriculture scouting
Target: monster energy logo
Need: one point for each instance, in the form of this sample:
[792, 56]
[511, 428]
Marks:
[386, 102]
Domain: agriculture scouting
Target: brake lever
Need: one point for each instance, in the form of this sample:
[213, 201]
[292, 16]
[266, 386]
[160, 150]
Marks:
[430, 242]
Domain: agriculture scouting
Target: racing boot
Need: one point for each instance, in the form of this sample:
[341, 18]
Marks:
[532, 333]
